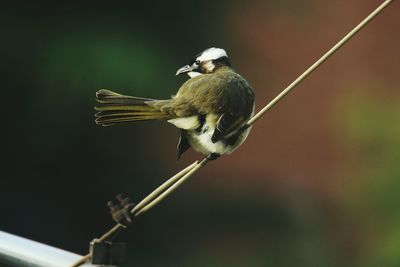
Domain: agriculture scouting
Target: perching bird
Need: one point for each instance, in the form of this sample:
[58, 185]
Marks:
[211, 108]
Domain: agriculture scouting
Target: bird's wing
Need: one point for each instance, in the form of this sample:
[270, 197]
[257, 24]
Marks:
[226, 124]
[227, 95]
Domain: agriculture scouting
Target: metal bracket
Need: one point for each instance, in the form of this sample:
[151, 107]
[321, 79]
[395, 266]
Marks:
[107, 253]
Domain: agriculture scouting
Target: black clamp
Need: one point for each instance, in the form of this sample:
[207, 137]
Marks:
[107, 253]
[121, 213]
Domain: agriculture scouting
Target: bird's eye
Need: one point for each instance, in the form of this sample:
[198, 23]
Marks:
[197, 62]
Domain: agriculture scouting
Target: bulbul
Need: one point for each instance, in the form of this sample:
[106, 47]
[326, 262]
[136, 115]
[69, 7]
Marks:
[211, 108]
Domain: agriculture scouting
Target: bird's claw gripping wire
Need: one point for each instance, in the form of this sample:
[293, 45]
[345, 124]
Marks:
[121, 212]
[213, 156]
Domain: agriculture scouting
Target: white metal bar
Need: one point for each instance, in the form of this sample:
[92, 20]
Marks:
[19, 251]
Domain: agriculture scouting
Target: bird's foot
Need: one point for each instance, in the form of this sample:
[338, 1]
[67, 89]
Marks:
[213, 156]
[121, 213]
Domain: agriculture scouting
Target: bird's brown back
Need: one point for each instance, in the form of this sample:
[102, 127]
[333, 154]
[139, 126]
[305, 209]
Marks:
[223, 91]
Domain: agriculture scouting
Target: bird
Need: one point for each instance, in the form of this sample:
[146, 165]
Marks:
[211, 108]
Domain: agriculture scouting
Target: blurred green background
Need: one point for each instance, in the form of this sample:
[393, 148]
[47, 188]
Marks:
[316, 184]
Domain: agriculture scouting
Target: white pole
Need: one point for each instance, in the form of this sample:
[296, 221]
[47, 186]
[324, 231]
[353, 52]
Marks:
[17, 251]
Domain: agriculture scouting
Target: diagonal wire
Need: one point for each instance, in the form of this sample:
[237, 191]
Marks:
[322, 59]
[174, 182]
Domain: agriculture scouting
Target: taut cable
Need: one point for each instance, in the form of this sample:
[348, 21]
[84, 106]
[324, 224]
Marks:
[174, 182]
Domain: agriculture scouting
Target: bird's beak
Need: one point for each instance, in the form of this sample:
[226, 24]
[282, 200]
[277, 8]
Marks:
[184, 69]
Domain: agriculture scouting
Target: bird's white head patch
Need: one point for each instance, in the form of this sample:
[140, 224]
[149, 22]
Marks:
[212, 54]
[205, 62]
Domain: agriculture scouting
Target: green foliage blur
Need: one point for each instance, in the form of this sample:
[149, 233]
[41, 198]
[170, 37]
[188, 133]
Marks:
[373, 130]
[316, 184]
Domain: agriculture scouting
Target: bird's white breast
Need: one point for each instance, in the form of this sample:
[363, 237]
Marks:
[201, 140]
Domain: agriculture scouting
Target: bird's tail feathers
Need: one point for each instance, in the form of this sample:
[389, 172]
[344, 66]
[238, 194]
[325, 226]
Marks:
[114, 108]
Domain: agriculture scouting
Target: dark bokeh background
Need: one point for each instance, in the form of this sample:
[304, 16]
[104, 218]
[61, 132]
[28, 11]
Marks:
[316, 184]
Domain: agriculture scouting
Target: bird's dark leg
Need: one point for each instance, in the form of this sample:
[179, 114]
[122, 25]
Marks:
[213, 156]
[183, 144]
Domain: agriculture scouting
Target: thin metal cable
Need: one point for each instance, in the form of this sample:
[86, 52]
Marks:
[174, 182]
